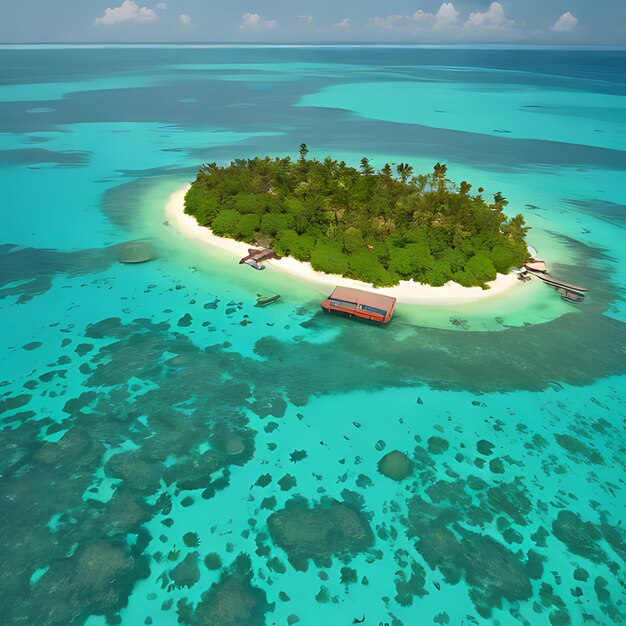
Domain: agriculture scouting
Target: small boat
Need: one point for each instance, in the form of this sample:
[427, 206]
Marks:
[255, 264]
[264, 301]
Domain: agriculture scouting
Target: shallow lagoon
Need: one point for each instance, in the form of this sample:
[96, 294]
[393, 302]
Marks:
[154, 420]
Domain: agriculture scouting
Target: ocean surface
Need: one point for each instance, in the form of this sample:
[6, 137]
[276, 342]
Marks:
[172, 454]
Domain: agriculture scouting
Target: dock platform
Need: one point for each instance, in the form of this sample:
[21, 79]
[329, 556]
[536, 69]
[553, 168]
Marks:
[558, 284]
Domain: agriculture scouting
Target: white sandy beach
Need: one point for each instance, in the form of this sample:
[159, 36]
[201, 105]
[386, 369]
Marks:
[407, 292]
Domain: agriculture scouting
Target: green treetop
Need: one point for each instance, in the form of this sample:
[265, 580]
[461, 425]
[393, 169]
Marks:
[360, 223]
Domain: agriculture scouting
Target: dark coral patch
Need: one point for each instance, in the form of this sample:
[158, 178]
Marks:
[14, 402]
[287, 482]
[485, 447]
[395, 465]
[76, 447]
[138, 474]
[580, 537]
[411, 585]
[437, 445]
[492, 571]
[191, 540]
[33, 345]
[511, 499]
[212, 561]
[95, 581]
[578, 449]
[132, 252]
[318, 532]
[187, 572]
[232, 601]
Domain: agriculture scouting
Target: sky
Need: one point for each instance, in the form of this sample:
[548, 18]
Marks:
[544, 22]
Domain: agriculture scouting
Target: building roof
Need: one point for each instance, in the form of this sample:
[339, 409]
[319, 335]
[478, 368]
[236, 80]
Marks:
[536, 264]
[367, 298]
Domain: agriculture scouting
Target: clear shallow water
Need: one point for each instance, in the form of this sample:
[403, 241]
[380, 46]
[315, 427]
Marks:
[143, 403]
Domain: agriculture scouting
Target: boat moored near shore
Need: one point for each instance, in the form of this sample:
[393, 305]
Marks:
[262, 301]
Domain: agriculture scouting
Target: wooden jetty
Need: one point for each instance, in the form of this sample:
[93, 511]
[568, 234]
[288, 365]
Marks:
[537, 267]
[567, 291]
[558, 284]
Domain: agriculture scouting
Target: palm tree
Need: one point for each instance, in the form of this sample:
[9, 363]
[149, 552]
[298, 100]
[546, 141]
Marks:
[516, 227]
[419, 182]
[387, 172]
[211, 168]
[366, 168]
[499, 201]
[404, 171]
[440, 170]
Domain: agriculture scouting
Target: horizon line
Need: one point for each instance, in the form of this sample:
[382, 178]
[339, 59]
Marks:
[483, 45]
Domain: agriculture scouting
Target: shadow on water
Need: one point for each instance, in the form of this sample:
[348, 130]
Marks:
[576, 348]
[28, 272]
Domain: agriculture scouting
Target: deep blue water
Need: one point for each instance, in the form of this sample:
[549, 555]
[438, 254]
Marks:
[172, 454]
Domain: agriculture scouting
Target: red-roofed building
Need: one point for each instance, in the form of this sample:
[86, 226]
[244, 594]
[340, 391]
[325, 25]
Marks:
[362, 304]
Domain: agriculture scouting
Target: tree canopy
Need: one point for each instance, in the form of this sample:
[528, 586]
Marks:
[363, 224]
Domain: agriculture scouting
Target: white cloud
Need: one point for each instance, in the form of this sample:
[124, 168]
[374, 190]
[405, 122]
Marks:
[566, 22]
[386, 22]
[253, 21]
[494, 18]
[128, 11]
[161, 6]
[345, 23]
[185, 20]
[446, 17]
[307, 18]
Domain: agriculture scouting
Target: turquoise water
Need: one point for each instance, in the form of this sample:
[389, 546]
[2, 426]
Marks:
[172, 454]
[522, 113]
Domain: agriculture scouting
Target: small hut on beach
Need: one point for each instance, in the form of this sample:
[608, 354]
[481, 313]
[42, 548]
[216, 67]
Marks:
[254, 258]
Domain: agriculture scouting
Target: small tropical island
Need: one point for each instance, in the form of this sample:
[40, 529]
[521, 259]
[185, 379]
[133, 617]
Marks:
[378, 227]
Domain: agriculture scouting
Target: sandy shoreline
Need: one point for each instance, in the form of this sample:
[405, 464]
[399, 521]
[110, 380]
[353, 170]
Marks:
[407, 292]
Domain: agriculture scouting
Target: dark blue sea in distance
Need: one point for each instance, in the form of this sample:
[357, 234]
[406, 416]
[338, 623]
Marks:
[172, 454]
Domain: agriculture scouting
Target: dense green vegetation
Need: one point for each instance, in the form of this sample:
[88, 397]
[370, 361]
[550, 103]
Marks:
[372, 226]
